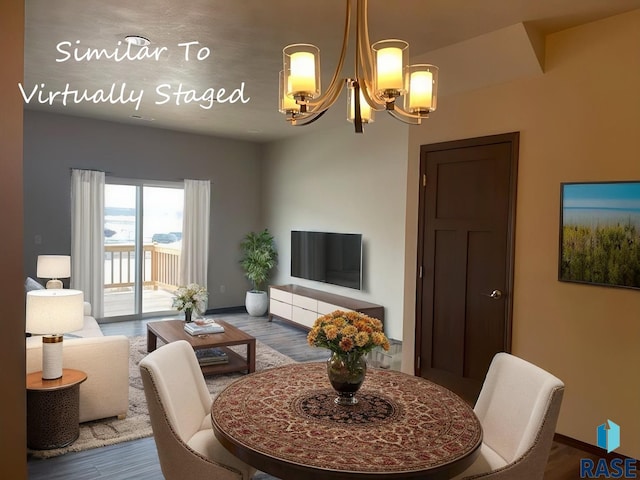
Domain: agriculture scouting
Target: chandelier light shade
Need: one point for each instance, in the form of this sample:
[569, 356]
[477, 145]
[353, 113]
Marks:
[287, 104]
[382, 75]
[366, 112]
[422, 80]
[391, 57]
[302, 66]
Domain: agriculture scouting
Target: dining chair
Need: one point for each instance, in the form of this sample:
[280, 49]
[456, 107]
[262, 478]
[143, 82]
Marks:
[180, 410]
[518, 408]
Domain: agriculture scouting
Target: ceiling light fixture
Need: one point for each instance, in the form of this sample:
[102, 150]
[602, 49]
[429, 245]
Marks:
[382, 75]
[137, 40]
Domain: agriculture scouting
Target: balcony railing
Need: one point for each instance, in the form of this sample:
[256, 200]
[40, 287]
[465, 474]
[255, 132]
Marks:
[160, 266]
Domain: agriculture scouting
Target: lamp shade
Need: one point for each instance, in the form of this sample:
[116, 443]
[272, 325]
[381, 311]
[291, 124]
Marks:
[54, 266]
[302, 66]
[54, 311]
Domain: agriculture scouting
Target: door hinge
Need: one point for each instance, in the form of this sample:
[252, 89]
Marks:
[418, 362]
[420, 272]
[424, 179]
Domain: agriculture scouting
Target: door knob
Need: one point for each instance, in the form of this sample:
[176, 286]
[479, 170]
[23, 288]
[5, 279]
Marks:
[496, 294]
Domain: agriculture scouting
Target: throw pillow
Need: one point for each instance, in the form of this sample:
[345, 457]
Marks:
[30, 284]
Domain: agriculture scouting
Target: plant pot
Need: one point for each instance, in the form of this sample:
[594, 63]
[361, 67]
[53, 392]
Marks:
[257, 303]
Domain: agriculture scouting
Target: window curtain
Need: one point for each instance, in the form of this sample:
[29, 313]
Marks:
[194, 259]
[87, 236]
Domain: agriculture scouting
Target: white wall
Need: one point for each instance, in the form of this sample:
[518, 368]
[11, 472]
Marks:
[335, 180]
[580, 121]
[56, 143]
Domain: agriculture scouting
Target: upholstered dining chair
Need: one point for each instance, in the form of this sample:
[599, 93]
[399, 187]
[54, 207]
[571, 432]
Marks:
[518, 408]
[180, 410]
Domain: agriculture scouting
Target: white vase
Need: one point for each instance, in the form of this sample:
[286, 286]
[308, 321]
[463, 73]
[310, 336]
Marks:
[256, 302]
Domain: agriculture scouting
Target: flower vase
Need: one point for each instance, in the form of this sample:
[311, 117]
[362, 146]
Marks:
[346, 372]
[187, 315]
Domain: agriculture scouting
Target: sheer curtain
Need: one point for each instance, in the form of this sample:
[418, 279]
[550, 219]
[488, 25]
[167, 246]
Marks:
[194, 258]
[87, 236]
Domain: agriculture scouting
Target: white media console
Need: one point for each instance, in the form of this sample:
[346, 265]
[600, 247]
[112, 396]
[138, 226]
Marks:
[302, 306]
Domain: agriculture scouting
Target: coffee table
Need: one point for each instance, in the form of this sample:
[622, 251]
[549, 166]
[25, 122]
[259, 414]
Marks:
[172, 330]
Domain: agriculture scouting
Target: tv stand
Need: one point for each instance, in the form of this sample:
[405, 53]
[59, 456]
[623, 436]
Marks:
[301, 306]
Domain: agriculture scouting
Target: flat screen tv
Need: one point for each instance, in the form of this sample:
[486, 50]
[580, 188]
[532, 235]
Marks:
[334, 258]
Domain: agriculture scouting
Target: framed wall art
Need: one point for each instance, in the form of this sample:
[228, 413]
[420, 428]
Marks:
[600, 233]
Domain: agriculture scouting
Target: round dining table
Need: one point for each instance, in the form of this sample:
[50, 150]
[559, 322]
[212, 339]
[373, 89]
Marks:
[284, 421]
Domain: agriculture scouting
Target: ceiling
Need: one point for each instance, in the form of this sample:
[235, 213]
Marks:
[244, 41]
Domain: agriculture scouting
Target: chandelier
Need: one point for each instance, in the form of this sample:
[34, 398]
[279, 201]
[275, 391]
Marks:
[381, 76]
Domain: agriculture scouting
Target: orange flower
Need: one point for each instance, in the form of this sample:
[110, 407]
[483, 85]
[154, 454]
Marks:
[349, 331]
[339, 321]
[343, 332]
[346, 344]
[380, 340]
[331, 331]
[362, 338]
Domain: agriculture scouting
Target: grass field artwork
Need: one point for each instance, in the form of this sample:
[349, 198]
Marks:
[600, 233]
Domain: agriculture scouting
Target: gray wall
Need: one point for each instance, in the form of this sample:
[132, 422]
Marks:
[54, 144]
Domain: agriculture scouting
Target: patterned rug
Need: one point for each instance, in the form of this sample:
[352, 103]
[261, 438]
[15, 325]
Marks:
[136, 425]
[401, 425]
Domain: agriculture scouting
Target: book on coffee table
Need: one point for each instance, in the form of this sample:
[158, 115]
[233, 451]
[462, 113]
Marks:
[211, 356]
[203, 328]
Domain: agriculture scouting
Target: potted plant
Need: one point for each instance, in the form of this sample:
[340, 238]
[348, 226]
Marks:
[259, 257]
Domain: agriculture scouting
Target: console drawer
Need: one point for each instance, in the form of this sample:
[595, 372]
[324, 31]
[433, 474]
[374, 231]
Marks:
[324, 308]
[304, 317]
[280, 309]
[305, 302]
[280, 295]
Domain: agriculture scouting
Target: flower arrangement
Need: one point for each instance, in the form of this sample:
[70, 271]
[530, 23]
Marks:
[348, 333]
[190, 297]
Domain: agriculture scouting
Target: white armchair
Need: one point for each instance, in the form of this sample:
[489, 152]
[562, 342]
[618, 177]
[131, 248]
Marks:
[180, 410]
[518, 408]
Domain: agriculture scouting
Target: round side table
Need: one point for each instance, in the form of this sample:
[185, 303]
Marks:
[53, 409]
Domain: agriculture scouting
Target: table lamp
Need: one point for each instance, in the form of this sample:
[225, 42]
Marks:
[52, 313]
[54, 267]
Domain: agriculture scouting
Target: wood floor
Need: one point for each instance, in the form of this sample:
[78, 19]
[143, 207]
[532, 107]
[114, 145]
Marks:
[138, 459]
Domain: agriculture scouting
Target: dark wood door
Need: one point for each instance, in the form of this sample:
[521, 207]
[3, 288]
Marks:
[465, 259]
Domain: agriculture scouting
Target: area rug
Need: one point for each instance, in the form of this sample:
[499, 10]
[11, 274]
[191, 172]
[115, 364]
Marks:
[136, 425]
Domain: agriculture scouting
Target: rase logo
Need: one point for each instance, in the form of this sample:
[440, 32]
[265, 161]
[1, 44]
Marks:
[608, 438]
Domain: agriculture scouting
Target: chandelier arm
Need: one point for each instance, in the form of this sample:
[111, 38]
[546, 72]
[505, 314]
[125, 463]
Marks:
[328, 99]
[366, 59]
[311, 120]
[327, 102]
[334, 84]
[373, 102]
[402, 112]
[364, 45]
[406, 118]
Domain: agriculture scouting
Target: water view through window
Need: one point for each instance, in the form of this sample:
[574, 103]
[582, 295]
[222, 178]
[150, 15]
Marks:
[143, 241]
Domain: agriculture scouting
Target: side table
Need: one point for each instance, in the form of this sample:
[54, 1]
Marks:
[53, 409]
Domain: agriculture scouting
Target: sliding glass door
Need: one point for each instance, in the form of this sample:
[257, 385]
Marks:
[143, 243]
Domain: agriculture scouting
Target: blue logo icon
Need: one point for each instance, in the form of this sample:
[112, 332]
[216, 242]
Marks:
[609, 438]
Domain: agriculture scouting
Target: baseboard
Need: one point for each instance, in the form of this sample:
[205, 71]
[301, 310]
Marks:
[587, 447]
[152, 315]
[218, 311]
